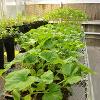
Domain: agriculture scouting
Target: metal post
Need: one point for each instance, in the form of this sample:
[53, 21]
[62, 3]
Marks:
[61, 5]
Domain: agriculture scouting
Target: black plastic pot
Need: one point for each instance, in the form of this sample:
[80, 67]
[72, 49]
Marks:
[37, 24]
[1, 54]
[9, 46]
[27, 27]
[8, 42]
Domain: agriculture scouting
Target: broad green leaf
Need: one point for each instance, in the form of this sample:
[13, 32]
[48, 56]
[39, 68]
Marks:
[16, 95]
[19, 80]
[67, 68]
[33, 72]
[31, 56]
[86, 69]
[47, 77]
[54, 87]
[30, 59]
[40, 72]
[48, 44]
[54, 93]
[73, 79]
[50, 56]
[27, 97]
[17, 59]
[41, 86]
[76, 70]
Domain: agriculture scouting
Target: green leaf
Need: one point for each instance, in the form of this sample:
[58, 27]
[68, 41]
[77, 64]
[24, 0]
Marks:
[19, 58]
[50, 56]
[40, 86]
[31, 56]
[73, 79]
[27, 97]
[32, 59]
[76, 70]
[67, 68]
[2, 71]
[40, 72]
[86, 69]
[47, 77]
[19, 80]
[16, 95]
[33, 72]
[54, 93]
[8, 65]
[48, 44]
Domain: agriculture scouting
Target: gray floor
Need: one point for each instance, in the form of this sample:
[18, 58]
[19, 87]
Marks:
[93, 47]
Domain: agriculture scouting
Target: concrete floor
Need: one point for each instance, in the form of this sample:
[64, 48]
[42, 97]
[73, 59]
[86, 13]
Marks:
[93, 47]
[93, 50]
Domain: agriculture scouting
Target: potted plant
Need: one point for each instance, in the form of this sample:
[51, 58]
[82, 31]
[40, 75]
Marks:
[12, 27]
[51, 63]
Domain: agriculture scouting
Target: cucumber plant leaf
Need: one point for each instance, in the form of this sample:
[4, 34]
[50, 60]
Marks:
[54, 93]
[47, 77]
[67, 69]
[73, 79]
[31, 59]
[86, 69]
[50, 56]
[19, 80]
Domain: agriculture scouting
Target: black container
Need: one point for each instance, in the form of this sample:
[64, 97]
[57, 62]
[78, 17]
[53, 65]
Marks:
[8, 42]
[9, 46]
[34, 25]
[1, 54]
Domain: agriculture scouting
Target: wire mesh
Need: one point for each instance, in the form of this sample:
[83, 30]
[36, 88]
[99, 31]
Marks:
[84, 89]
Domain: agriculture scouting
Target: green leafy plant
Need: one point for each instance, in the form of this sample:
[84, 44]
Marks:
[50, 64]
[7, 25]
[66, 14]
[25, 19]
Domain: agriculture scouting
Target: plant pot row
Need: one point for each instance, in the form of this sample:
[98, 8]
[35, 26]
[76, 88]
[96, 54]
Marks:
[8, 41]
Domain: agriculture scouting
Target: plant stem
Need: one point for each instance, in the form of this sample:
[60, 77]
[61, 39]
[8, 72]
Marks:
[60, 82]
[39, 92]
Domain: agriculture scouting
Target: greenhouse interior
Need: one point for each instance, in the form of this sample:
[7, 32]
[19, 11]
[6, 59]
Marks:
[49, 49]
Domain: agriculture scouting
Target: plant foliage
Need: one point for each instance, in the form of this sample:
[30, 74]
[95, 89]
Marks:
[51, 61]
[7, 25]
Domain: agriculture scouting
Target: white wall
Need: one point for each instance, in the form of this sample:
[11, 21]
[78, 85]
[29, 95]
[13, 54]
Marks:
[12, 9]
